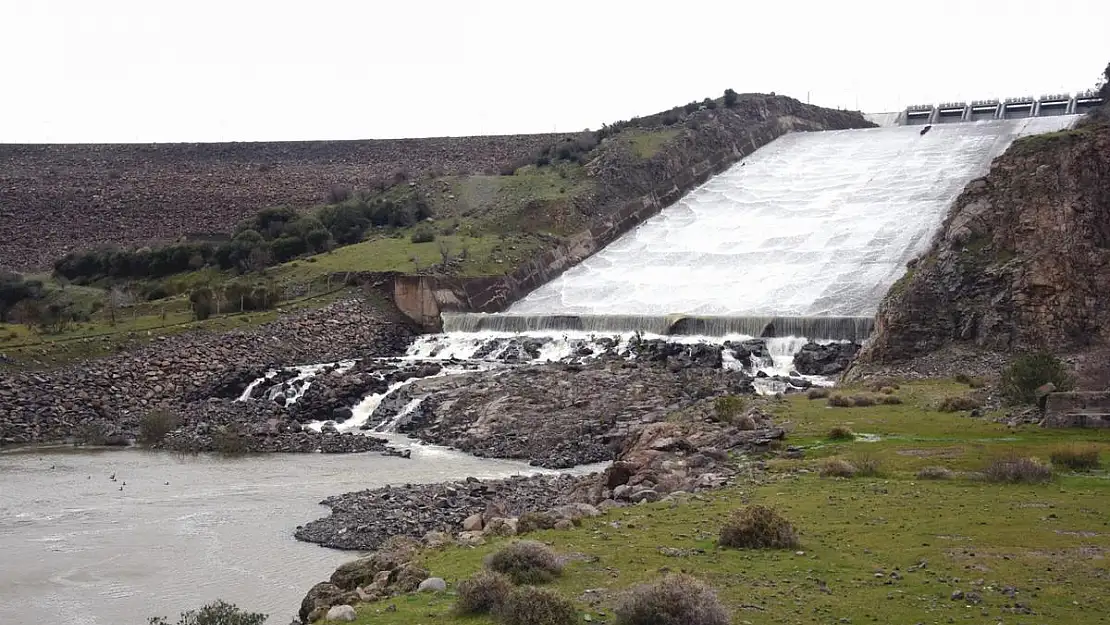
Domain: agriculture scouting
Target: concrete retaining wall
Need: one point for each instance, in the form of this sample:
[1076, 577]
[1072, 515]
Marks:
[1078, 410]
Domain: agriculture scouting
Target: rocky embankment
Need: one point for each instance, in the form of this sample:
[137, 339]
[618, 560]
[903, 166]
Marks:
[57, 198]
[1022, 260]
[195, 376]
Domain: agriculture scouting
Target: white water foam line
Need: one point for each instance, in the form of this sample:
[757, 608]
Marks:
[298, 384]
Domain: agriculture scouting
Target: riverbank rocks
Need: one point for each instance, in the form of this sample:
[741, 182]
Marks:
[181, 373]
[825, 359]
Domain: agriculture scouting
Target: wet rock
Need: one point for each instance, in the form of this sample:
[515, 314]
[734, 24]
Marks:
[828, 359]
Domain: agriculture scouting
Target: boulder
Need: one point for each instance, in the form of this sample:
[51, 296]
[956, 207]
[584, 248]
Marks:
[500, 526]
[321, 596]
[407, 578]
[432, 584]
[472, 523]
[343, 613]
[828, 359]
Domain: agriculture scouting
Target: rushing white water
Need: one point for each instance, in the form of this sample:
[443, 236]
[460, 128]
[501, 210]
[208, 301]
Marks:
[812, 224]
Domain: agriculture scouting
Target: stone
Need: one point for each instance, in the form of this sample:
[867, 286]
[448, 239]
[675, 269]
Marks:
[622, 491]
[472, 523]
[319, 596]
[436, 540]
[344, 613]
[564, 524]
[647, 495]
[432, 584]
[500, 526]
[470, 539]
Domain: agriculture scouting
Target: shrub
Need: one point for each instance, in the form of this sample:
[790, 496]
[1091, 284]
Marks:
[729, 407]
[526, 562]
[836, 467]
[671, 600]
[536, 606]
[730, 98]
[757, 527]
[422, 235]
[840, 401]
[957, 403]
[890, 400]
[934, 473]
[218, 613]
[841, 433]
[878, 384]
[1017, 470]
[482, 593]
[867, 465]
[226, 440]
[887, 390]
[14, 289]
[201, 302]
[973, 382]
[862, 400]
[709, 103]
[155, 425]
[817, 393]
[532, 521]
[1026, 374]
[1077, 457]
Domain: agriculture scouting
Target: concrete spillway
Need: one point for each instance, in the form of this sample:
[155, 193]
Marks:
[812, 225]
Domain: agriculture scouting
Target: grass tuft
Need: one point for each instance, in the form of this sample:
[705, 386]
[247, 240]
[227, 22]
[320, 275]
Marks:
[1018, 470]
[1077, 457]
[841, 433]
[837, 467]
[958, 403]
[839, 401]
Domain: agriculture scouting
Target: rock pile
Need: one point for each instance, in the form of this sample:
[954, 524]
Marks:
[109, 395]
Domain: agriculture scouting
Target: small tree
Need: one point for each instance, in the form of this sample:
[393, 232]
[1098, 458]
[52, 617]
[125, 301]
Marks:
[1026, 374]
[730, 98]
[201, 301]
[218, 613]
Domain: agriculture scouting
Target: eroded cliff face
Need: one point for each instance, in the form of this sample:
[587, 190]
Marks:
[1021, 262]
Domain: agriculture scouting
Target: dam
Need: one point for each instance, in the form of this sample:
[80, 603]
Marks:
[803, 237]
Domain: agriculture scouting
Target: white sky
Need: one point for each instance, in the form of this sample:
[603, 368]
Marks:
[202, 70]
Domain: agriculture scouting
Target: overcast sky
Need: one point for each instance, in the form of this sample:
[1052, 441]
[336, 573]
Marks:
[201, 70]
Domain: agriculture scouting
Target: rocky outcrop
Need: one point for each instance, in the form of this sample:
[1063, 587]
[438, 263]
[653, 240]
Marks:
[57, 198]
[828, 359]
[111, 394]
[1022, 260]
[559, 415]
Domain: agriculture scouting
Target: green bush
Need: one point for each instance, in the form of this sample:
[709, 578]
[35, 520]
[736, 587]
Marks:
[201, 302]
[757, 527]
[1027, 373]
[536, 606]
[730, 98]
[155, 425]
[423, 235]
[728, 408]
[672, 600]
[526, 562]
[15, 289]
[218, 613]
[482, 593]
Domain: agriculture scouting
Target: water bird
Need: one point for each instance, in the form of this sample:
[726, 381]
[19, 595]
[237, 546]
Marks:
[121, 488]
[925, 129]
[52, 467]
[112, 477]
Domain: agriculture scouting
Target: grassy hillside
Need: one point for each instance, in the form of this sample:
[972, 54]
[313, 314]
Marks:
[891, 548]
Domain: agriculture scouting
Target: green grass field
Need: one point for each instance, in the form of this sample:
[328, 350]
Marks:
[889, 549]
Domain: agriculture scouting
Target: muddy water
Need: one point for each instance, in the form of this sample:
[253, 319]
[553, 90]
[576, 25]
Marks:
[185, 530]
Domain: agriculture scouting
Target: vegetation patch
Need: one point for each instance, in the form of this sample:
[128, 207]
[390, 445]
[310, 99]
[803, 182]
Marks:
[1018, 470]
[817, 393]
[958, 403]
[1021, 379]
[482, 593]
[1077, 457]
[841, 433]
[934, 473]
[537, 606]
[156, 424]
[837, 467]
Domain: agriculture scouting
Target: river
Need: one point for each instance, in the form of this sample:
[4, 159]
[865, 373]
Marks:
[183, 531]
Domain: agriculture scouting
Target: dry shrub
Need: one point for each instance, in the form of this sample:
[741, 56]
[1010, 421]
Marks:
[934, 473]
[887, 390]
[817, 393]
[728, 408]
[1077, 457]
[526, 562]
[837, 467]
[536, 606]
[890, 400]
[841, 433]
[957, 403]
[840, 401]
[757, 527]
[867, 465]
[862, 400]
[482, 593]
[533, 521]
[1017, 470]
[671, 600]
